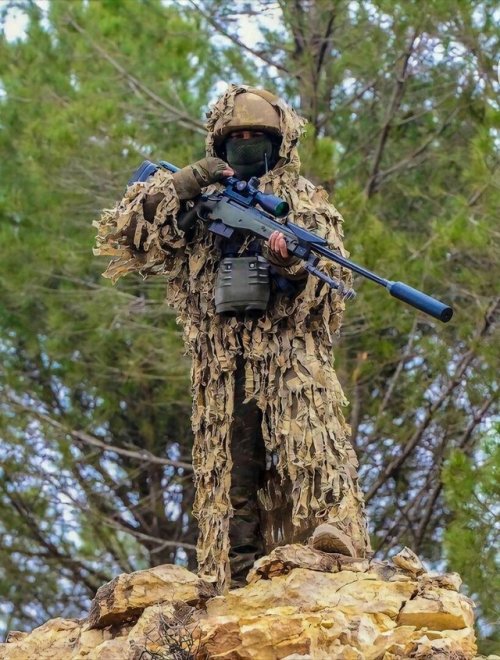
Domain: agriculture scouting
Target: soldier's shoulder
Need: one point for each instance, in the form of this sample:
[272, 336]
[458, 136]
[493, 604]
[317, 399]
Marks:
[313, 191]
[318, 196]
[305, 184]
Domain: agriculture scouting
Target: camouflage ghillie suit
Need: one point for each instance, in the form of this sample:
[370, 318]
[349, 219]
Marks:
[286, 354]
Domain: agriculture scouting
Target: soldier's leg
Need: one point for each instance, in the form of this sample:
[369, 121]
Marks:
[248, 456]
[320, 495]
[343, 529]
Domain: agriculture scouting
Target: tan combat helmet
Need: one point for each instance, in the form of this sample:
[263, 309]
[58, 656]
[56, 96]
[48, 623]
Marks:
[253, 110]
[270, 113]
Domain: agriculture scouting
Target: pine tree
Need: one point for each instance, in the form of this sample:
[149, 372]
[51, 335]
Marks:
[403, 109]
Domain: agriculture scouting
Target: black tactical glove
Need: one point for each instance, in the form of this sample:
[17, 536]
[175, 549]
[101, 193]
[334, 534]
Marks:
[190, 180]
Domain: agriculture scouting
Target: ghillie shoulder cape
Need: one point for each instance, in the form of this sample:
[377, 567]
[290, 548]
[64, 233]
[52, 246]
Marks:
[288, 354]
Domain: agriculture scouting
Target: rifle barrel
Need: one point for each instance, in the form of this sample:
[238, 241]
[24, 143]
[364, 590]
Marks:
[399, 290]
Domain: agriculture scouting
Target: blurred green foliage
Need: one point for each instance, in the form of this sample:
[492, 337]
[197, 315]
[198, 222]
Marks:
[402, 99]
[471, 539]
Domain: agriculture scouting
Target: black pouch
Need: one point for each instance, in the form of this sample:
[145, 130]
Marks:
[243, 285]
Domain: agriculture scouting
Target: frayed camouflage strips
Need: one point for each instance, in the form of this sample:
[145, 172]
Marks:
[312, 475]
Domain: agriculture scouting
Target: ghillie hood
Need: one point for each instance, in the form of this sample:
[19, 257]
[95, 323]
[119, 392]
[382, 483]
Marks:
[291, 124]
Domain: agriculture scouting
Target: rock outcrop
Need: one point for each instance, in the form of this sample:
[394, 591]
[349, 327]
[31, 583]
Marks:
[299, 604]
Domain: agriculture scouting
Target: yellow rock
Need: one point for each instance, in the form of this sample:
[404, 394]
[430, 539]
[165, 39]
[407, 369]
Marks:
[383, 622]
[450, 581]
[409, 561]
[163, 624]
[438, 609]
[15, 636]
[127, 596]
[89, 639]
[387, 640]
[345, 653]
[223, 633]
[442, 647]
[458, 640]
[335, 610]
[55, 640]
[349, 592]
[113, 649]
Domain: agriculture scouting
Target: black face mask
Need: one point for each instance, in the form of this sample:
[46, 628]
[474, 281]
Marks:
[251, 156]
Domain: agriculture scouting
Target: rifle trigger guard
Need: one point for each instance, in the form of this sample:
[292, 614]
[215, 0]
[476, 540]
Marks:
[203, 208]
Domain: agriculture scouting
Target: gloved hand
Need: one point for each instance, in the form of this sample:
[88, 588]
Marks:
[286, 264]
[190, 180]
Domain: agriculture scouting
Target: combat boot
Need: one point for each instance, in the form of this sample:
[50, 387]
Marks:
[328, 538]
[246, 547]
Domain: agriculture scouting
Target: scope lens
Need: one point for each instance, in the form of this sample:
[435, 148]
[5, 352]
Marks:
[281, 209]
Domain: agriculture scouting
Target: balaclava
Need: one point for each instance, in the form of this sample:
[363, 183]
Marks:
[252, 156]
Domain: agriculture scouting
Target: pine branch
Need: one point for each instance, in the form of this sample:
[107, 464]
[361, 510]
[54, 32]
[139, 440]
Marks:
[138, 454]
[467, 359]
[236, 40]
[184, 119]
[397, 97]
[463, 444]
[79, 570]
[411, 161]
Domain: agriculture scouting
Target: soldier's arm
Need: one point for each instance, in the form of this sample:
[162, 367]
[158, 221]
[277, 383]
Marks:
[188, 183]
[284, 263]
[141, 232]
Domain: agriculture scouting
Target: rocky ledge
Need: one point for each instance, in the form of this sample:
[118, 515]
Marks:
[300, 604]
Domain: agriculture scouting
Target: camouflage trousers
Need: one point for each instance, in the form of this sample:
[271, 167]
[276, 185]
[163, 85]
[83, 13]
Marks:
[249, 462]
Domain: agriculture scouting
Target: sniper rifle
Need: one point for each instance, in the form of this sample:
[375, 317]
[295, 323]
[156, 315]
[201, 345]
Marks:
[234, 209]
